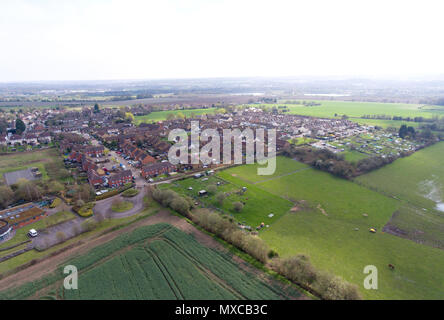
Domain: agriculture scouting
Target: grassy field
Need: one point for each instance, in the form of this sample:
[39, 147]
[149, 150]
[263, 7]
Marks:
[258, 204]
[333, 229]
[328, 109]
[418, 178]
[157, 262]
[385, 123]
[24, 160]
[162, 115]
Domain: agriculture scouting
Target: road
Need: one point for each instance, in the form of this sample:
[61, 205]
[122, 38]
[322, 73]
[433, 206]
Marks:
[104, 206]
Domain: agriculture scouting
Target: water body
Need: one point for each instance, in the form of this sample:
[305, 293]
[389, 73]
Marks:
[327, 94]
[432, 190]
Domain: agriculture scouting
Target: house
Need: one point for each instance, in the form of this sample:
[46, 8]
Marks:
[3, 140]
[120, 178]
[45, 137]
[30, 139]
[15, 139]
[94, 178]
[144, 159]
[94, 151]
[156, 169]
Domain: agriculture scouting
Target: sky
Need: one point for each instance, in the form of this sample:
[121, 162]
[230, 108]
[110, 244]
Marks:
[144, 39]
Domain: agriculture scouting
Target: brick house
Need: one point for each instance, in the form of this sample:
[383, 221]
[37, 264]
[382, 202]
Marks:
[155, 169]
[120, 178]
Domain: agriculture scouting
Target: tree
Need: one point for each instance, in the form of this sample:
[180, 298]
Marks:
[212, 189]
[180, 115]
[171, 116]
[27, 190]
[238, 206]
[403, 131]
[20, 126]
[220, 197]
[6, 196]
[129, 116]
[56, 187]
[96, 108]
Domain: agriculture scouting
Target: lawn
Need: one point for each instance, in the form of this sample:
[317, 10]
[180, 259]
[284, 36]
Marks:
[162, 115]
[122, 206]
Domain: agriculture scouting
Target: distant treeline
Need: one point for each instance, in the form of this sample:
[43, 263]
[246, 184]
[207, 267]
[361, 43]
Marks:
[400, 118]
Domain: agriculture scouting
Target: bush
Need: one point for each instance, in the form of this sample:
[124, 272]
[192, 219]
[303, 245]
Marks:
[130, 193]
[238, 206]
[220, 197]
[85, 210]
[55, 203]
[107, 195]
[61, 236]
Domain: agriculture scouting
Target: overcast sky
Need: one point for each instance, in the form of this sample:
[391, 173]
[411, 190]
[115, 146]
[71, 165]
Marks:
[143, 39]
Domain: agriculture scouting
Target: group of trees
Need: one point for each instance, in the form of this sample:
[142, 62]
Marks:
[28, 191]
[322, 159]
[323, 284]
[407, 132]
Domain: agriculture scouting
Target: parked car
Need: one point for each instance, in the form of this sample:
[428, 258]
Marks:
[33, 233]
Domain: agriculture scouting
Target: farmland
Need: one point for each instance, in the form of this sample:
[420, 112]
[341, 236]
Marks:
[328, 109]
[330, 220]
[156, 262]
[162, 115]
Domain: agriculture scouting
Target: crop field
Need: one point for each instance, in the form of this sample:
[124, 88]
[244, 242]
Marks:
[162, 115]
[331, 224]
[24, 160]
[328, 109]
[157, 262]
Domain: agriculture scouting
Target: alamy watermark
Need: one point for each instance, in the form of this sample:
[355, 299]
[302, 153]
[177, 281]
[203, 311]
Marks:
[71, 281]
[188, 149]
[371, 281]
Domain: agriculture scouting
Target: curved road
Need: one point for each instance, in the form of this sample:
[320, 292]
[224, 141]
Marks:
[104, 206]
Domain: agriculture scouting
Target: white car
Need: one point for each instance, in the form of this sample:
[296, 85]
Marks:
[33, 233]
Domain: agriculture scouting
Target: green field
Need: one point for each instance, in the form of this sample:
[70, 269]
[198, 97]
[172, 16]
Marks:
[258, 204]
[24, 160]
[328, 109]
[162, 115]
[333, 229]
[418, 178]
[157, 262]
[386, 123]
